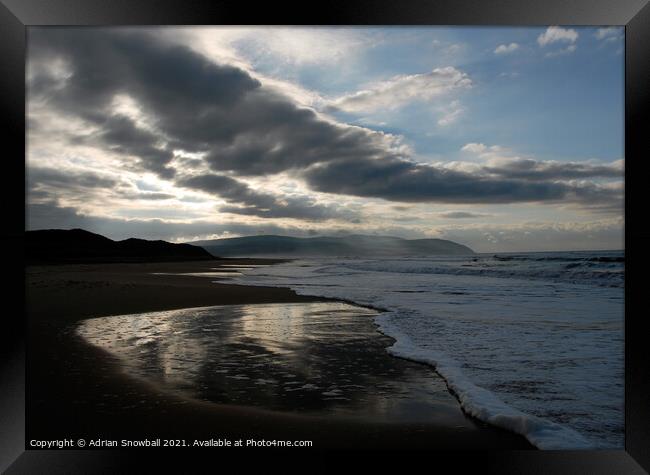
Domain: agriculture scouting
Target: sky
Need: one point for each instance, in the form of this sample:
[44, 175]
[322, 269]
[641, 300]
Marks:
[501, 139]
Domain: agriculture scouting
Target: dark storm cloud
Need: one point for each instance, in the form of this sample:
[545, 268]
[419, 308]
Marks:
[290, 138]
[189, 96]
[461, 215]
[261, 204]
[296, 209]
[67, 179]
[149, 196]
[245, 129]
[399, 180]
[49, 183]
[529, 169]
[171, 80]
[122, 135]
[221, 185]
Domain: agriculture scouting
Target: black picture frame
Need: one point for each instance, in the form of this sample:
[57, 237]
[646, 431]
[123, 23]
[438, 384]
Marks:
[16, 15]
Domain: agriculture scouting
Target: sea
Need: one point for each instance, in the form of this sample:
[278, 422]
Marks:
[529, 342]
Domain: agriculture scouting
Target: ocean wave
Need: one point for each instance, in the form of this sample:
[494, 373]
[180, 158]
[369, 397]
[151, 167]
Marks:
[604, 259]
[479, 402]
[572, 273]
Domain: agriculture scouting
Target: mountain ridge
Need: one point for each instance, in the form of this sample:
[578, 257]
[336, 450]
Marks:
[351, 245]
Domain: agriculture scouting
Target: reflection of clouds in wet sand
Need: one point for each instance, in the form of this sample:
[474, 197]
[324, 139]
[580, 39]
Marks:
[277, 330]
[313, 358]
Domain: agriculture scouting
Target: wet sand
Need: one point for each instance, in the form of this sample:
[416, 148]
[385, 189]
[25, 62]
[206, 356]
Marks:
[79, 390]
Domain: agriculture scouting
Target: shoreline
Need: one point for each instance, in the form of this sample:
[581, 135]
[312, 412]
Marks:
[71, 377]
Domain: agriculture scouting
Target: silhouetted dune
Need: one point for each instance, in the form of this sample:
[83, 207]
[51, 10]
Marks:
[56, 246]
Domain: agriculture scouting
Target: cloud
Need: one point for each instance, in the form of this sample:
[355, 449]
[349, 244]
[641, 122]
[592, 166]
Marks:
[253, 203]
[177, 88]
[68, 178]
[196, 107]
[149, 196]
[451, 114]
[461, 215]
[83, 188]
[75, 185]
[510, 74]
[400, 180]
[568, 50]
[537, 236]
[499, 161]
[474, 148]
[121, 135]
[304, 45]
[614, 35]
[292, 46]
[234, 128]
[402, 90]
[609, 32]
[447, 48]
[555, 34]
[530, 169]
[506, 49]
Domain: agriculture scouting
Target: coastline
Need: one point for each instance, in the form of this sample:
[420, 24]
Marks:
[69, 378]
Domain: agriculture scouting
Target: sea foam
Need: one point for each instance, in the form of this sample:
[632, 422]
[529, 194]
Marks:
[479, 402]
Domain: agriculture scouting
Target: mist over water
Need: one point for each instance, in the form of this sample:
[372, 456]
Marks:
[530, 341]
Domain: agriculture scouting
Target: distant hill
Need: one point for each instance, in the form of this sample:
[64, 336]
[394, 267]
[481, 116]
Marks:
[355, 245]
[56, 246]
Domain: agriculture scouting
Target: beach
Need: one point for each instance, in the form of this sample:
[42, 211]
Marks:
[78, 390]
